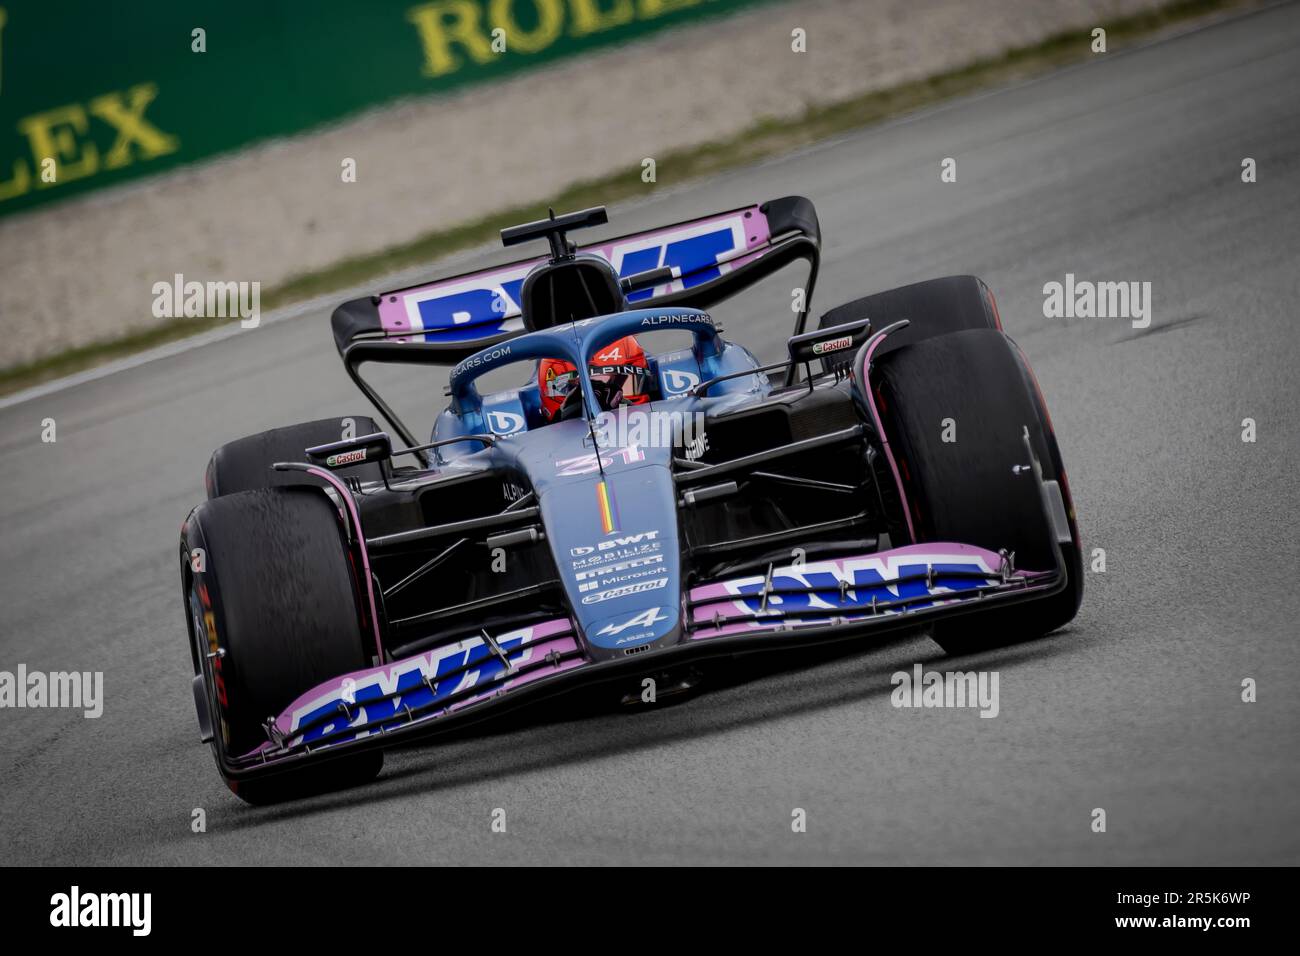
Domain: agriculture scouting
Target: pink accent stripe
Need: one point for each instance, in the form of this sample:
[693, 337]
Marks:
[541, 639]
[361, 547]
[738, 626]
[929, 551]
[564, 645]
[539, 632]
[392, 306]
[884, 439]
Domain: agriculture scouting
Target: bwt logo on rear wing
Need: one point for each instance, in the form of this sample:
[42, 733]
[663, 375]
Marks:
[484, 304]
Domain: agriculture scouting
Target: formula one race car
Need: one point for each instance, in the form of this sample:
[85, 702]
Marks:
[626, 514]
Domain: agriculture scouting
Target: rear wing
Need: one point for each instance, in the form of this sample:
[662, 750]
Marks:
[711, 258]
[445, 321]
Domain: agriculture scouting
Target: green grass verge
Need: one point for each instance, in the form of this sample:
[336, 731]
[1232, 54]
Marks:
[765, 139]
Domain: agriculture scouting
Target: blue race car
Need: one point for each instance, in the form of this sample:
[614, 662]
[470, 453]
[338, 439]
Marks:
[630, 515]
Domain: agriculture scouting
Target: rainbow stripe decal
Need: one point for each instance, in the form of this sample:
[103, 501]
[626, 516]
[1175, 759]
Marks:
[605, 501]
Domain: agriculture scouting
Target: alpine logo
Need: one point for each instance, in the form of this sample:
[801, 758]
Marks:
[696, 448]
[648, 618]
[686, 318]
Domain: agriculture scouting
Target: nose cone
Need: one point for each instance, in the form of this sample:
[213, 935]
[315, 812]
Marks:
[615, 541]
[625, 634]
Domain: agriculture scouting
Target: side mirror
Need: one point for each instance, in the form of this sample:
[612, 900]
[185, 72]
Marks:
[827, 342]
[353, 451]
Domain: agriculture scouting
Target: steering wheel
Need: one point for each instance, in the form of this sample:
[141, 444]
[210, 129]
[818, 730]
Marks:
[607, 397]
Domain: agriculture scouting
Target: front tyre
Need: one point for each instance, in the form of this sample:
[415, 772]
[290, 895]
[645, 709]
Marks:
[245, 464]
[974, 388]
[933, 307]
[273, 610]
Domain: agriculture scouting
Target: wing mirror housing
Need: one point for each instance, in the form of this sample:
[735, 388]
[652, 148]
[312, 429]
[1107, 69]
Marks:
[352, 451]
[826, 342]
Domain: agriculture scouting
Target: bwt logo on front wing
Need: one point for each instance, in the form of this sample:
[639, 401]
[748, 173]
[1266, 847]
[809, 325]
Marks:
[414, 683]
[855, 583]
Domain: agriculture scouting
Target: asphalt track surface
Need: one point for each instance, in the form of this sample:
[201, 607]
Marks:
[1126, 168]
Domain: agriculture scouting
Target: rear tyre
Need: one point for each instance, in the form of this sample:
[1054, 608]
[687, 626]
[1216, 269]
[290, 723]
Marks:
[933, 307]
[964, 490]
[276, 603]
[245, 464]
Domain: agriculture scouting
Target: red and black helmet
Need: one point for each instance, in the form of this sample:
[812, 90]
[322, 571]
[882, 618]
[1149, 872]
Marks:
[620, 365]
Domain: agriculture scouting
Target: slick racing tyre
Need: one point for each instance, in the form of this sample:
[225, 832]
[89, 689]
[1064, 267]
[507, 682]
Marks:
[964, 490]
[273, 612]
[245, 464]
[933, 307]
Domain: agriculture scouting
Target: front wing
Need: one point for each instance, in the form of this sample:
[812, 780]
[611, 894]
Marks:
[479, 676]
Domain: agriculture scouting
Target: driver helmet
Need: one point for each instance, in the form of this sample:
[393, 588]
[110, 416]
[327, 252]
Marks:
[622, 365]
